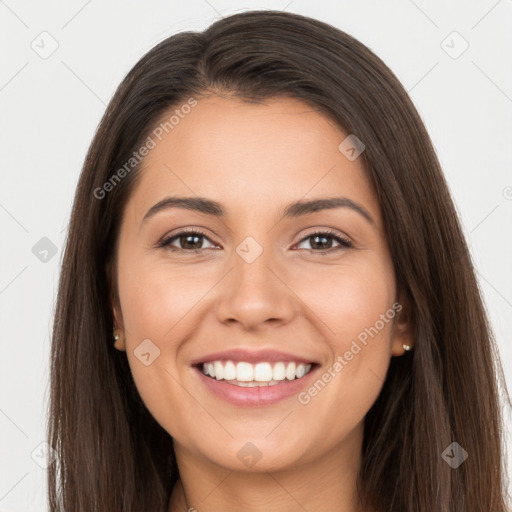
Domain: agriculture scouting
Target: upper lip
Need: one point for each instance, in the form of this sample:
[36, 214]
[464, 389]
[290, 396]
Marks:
[251, 356]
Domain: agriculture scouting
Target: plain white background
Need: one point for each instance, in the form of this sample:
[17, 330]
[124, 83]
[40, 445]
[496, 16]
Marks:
[52, 102]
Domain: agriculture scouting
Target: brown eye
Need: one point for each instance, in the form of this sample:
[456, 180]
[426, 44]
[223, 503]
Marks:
[187, 241]
[323, 241]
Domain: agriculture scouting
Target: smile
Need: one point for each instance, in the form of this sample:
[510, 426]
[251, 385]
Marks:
[244, 384]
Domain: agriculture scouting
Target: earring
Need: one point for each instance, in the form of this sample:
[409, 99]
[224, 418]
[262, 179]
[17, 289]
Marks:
[406, 347]
[117, 338]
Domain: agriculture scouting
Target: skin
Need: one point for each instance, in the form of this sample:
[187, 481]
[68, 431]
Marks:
[296, 297]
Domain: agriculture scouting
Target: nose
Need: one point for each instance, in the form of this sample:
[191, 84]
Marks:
[256, 295]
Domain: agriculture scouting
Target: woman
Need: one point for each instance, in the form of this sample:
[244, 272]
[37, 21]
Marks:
[266, 300]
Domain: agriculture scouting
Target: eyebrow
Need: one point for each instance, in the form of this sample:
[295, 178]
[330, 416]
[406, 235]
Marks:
[292, 210]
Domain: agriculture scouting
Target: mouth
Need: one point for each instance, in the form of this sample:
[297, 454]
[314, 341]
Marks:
[246, 374]
[246, 384]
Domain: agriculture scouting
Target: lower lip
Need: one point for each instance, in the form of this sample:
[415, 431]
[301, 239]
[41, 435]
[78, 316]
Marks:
[256, 396]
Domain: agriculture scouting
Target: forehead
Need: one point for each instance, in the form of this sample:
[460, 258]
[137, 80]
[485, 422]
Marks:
[249, 156]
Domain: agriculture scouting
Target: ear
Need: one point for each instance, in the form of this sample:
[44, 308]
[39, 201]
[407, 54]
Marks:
[119, 344]
[403, 326]
[117, 317]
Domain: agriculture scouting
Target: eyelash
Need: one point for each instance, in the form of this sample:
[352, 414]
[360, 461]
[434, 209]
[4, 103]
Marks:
[344, 243]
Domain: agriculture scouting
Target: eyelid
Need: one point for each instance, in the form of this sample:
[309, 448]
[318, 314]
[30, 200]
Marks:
[326, 231]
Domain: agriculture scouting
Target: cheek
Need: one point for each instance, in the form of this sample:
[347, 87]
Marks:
[355, 304]
[156, 298]
[158, 312]
[349, 298]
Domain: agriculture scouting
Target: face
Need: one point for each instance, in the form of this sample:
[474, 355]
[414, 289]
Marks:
[265, 286]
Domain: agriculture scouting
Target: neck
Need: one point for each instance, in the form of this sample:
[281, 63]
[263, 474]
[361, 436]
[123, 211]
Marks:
[326, 483]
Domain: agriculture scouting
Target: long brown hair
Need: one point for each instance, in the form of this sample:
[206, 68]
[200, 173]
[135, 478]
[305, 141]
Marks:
[112, 454]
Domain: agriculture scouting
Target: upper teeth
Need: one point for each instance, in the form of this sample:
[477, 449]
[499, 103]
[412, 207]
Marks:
[260, 372]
